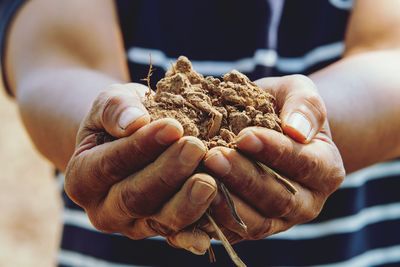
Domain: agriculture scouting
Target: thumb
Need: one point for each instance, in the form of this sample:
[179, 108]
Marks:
[191, 239]
[118, 111]
[302, 110]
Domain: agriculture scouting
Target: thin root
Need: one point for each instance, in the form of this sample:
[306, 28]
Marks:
[147, 79]
[211, 255]
[288, 185]
[231, 252]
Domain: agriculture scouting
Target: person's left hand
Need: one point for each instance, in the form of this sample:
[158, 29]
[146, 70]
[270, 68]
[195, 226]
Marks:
[306, 156]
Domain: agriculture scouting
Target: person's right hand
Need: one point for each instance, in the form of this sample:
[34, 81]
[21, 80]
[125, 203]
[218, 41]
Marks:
[141, 183]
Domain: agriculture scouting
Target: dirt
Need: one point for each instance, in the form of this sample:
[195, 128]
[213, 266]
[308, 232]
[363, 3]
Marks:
[212, 109]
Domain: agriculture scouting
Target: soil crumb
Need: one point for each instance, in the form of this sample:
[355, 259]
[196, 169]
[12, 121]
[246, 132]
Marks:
[212, 109]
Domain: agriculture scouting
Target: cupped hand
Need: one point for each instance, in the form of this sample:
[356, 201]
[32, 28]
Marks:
[304, 155]
[141, 184]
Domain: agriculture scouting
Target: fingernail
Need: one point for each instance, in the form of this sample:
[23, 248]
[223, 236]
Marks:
[201, 192]
[196, 251]
[128, 116]
[300, 123]
[217, 162]
[248, 141]
[192, 152]
[168, 133]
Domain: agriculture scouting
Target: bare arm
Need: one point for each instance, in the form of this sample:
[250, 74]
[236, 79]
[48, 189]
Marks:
[362, 91]
[56, 68]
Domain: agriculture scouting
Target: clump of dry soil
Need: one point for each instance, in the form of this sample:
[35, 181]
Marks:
[211, 109]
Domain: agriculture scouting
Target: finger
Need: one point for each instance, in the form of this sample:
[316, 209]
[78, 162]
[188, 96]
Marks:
[302, 110]
[92, 172]
[193, 240]
[189, 204]
[145, 192]
[118, 111]
[231, 236]
[136, 229]
[317, 165]
[254, 186]
[258, 226]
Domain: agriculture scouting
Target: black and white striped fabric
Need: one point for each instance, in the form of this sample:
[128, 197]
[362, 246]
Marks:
[359, 225]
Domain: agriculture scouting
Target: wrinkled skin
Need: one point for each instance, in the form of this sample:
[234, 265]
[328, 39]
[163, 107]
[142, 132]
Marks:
[141, 184]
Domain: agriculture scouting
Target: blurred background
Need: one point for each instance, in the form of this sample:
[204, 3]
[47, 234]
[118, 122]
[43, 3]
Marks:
[29, 201]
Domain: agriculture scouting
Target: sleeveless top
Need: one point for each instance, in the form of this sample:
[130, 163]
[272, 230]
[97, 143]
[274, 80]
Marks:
[359, 224]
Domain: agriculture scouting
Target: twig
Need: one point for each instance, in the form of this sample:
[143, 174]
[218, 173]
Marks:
[147, 79]
[288, 185]
[231, 252]
[267, 170]
[232, 207]
[211, 255]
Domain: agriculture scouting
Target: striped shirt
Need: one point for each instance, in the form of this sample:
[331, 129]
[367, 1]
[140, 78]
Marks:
[359, 225]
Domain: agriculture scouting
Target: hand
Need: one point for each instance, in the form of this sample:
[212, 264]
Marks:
[140, 184]
[306, 157]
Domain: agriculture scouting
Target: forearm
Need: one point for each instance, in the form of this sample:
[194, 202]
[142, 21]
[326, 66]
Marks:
[58, 56]
[53, 102]
[362, 95]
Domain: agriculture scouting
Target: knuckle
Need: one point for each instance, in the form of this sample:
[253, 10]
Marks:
[137, 230]
[169, 181]
[133, 235]
[308, 166]
[110, 104]
[102, 96]
[100, 99]
[312, 99]
[98, 222]
[74, 190]
[113, 100]
[309, 215]
[311, 165]
[248, 184]
[110, 166]
[74, 193]
[139, 149]
[176, 173]
[286, 204]
[336, 177]
[102, 107]
[69, 179]
[313, 214]
[176, 224]
[260, 230]
[186, 217]
[277, 155]
[317, 106]
[160, 228]
[174, 176]
[134, 203]
[138, 154]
